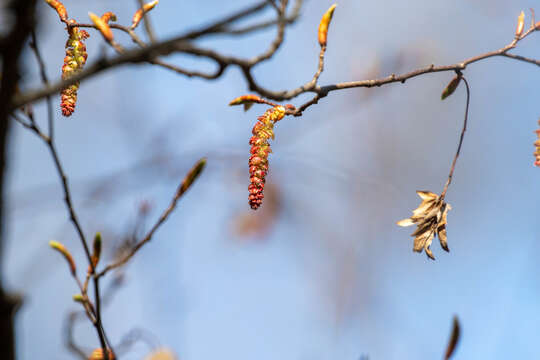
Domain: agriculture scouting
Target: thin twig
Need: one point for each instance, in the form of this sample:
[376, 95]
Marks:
[49, 141]
[69, 331]
[294, 14]
[452, 168]
[182, 188]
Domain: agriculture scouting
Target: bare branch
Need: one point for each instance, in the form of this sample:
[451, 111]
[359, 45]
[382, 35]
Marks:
[182, 188]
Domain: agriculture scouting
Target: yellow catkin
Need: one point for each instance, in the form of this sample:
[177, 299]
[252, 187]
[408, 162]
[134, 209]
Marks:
[74, 61]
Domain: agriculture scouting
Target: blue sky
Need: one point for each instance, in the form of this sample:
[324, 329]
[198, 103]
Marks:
[333, 277]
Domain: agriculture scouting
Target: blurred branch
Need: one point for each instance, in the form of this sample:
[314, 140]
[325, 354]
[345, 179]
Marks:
[182, 188]
[69, 332]
[11, 47]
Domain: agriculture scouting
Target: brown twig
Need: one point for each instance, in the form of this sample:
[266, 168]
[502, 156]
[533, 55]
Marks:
[294, 14]
[69, 331]
[150, 53]
[453, 166]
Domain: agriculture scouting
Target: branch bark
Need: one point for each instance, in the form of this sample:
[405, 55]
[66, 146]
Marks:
[11, 47]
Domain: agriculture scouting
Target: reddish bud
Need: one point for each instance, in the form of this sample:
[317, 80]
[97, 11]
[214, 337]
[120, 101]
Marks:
[108, 16]
[60, 9]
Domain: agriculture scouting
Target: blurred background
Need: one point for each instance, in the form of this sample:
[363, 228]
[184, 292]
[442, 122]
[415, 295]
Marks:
[321, 271]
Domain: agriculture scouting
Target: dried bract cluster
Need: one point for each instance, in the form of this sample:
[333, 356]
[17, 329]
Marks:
[430, 218]
[73, 63]
[537, 146]
[260, 149]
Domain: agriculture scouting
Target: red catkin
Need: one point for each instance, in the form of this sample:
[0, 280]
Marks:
[260, 149]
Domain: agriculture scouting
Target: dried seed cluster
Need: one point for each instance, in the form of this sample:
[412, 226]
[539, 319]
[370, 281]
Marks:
[260, 149]
[430, 217]
[73, 63]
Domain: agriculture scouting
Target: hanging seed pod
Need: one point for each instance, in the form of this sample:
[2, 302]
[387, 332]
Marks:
[260, 149]
[74, 61]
